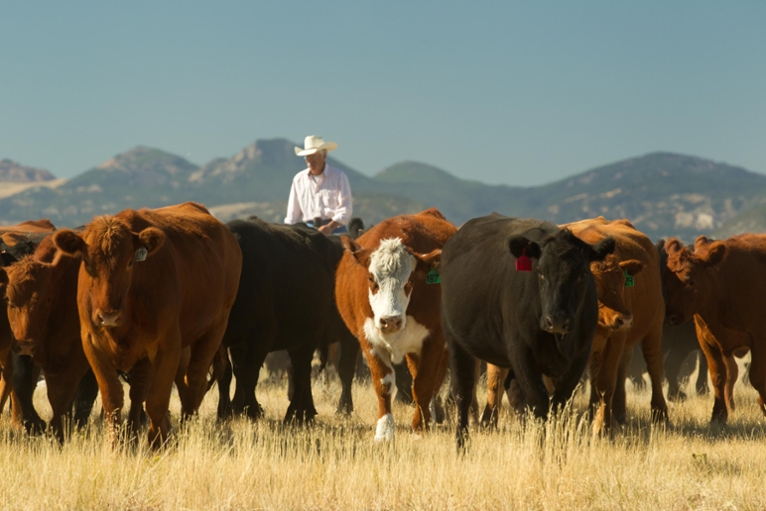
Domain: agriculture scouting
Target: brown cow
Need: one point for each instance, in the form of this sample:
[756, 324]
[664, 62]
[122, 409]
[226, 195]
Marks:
[15, 243]
[141, 316]
[720, 284]
[631, 309]
[384, 299]
[41, 291]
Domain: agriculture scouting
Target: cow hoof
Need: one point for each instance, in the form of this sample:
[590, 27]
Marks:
[384, 432]
[35, 426]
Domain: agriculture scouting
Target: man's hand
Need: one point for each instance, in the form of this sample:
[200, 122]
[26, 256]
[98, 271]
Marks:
[329, 228]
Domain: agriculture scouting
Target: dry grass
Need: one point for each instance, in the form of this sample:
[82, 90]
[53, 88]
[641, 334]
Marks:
[336, 465]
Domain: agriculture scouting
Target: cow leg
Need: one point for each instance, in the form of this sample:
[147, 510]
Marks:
[84, 397]
[425, 369]
[301, 408]
[383, 381]
[605, 381]
[404, 382]
[112, 395]
[651, 345]
[224, 392]
[164, 368]
[437, 410]
[463, 368]
[495, 388]
[702, 374]
[25, 374]
[246, 364]
[757, 373]
[141, 375]
[61, 391]
[349, 349]
[619, 400]
[203, 351]
[673, 365]
[717, 369]
[732, 373]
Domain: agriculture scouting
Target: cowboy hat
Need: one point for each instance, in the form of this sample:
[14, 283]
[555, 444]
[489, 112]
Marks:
[313, 144]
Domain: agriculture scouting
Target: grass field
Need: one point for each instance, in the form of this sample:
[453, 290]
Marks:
[336, 464]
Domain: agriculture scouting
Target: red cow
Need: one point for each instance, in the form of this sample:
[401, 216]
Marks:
[719, 284]
[142, 316]
[385, 299]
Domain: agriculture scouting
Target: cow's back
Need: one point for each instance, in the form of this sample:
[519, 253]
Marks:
[286, 281]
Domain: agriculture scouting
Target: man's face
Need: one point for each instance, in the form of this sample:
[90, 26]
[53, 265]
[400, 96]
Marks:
[316, 162]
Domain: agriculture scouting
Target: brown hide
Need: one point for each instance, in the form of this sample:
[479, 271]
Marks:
[42, 310]
[612, 347]
[12, 234]
[140, 315]
[422, 233]
[720, 284]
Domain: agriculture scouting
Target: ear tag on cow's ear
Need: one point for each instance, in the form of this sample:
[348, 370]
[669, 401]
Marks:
[523, 263]
[141, 254]
[629, 282]
[433, 277]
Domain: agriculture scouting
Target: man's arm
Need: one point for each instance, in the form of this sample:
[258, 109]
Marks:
[343, 211]
[294, 213]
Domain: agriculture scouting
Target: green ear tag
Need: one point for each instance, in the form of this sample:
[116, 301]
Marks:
[433, 277]
[629, 282]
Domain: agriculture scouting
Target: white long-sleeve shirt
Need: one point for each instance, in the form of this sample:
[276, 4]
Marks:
[326, 196]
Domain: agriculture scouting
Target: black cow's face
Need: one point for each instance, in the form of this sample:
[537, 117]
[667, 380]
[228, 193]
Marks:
[563, 273]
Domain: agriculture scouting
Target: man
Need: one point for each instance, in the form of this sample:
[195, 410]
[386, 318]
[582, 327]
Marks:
[321, 193]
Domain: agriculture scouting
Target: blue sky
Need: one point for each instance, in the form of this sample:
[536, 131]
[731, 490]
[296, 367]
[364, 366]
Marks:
[501, 92]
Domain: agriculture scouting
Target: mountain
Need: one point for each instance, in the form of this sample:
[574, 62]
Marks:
[140, 177]
[10, 171]
[663, 194]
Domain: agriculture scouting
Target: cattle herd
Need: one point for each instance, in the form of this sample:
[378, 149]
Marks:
[172, 295]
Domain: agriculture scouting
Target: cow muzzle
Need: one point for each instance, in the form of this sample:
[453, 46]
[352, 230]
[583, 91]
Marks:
[108, 319]
[620, 322]
[390, 324]
[555, 325]
[25, 347]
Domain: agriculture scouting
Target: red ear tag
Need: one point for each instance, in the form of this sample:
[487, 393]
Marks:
[523, 263]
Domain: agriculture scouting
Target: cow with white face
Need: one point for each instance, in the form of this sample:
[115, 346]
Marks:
[388, 293]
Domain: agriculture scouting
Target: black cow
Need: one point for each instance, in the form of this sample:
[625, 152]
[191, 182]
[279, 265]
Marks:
[285, 301]
[536, 322]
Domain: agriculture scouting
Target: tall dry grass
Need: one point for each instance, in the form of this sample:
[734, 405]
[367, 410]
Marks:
[336, 464]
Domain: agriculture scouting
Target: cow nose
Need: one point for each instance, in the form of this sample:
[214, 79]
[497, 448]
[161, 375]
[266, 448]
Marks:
[556, 326]
[671, 319]
[109, 318]
[391, 323]
[622, 322]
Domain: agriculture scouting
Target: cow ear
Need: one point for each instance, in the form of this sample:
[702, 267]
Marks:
[361, 255]
[632, 266]
[701, 241]
[519, 245]
[432, 259]
[603, 248]
[714, 254]
[151, 239]
[673, 245]
[70, 243]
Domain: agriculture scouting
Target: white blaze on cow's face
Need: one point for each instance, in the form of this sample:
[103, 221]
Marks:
[390, 272]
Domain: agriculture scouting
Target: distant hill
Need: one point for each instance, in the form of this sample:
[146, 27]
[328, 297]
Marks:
[13, 172]
[663, 194]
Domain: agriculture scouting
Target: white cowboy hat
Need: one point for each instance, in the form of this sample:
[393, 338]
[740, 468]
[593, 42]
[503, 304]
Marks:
[313, 144]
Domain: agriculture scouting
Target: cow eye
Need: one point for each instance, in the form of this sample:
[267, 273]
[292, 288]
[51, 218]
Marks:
[130, 263]
[691, 282]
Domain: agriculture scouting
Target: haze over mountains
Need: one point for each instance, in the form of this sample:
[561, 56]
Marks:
[661, 193]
